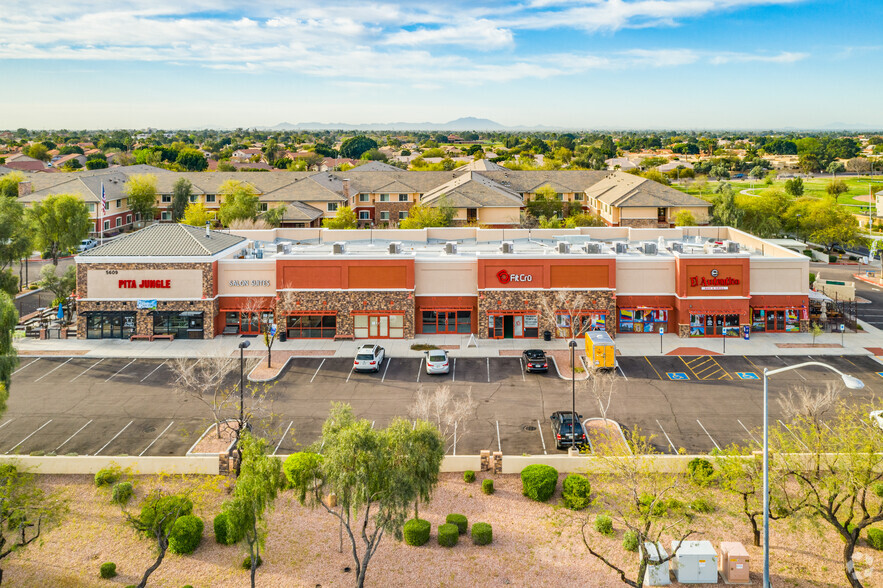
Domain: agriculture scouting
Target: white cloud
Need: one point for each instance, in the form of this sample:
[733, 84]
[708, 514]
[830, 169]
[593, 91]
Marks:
[479, 34]
[783, 57]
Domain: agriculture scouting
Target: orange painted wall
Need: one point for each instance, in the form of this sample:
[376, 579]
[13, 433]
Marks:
[546, 273]
[692, 272]
[345, 274]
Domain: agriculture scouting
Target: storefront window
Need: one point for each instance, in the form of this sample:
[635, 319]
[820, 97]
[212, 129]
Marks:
[775, 320]
[714, 325]
[586, 321]
[642, 320]
[183, 325]
[110, 325]
[380, 326]
[446, 321]
[513, 326]
[312, 326]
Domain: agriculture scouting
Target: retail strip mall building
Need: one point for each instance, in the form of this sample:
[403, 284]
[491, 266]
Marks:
[318, 283]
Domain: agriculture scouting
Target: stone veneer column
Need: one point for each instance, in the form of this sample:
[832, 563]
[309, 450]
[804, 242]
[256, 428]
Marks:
[502, 300]
[344, 303]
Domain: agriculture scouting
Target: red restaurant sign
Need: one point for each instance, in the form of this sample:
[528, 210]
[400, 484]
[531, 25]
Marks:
[145, 284]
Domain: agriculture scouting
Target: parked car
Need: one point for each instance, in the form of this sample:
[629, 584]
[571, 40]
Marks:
[563, 428]
[87, 244]
[437, 362]
[535, 360]
[369, 358]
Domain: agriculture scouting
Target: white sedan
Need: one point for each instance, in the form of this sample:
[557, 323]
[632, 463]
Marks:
[437, 362]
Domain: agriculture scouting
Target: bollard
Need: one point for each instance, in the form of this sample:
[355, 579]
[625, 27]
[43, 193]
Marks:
[485, 457]
[498, 462]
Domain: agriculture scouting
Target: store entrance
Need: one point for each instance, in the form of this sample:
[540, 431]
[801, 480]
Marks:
[714, 325]
[110, 325]
[513, 326]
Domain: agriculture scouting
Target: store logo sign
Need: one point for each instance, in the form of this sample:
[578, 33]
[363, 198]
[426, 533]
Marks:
[253, 283]
[714, 282]
[505, 277]
[145, 284]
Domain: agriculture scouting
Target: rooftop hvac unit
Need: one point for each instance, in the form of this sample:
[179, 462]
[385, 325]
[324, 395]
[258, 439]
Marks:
[395, 247]
[660, 243]
[592, 248]
[677, 246]
[708, 248]
[650, 248]
[280, 247]
[563, 247]
[507, 247]
[622, 248]
[732, 247]
[339, 248]
[286, 247]
[451, 248]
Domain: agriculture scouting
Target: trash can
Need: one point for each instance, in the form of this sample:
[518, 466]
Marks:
[283, 336]
[547, 335]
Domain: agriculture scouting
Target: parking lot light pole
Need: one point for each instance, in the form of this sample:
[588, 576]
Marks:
[573, 390]
[850, 382]
[242, 347]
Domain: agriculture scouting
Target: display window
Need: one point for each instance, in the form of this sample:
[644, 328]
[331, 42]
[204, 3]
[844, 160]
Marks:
[311, 326]
[379, 326]
[714, 325]
[446, 321]
[513, 325]
[775, 320]
[246, 322]
[585, 321]
[642, 320]
[110, 325]
[183, 324]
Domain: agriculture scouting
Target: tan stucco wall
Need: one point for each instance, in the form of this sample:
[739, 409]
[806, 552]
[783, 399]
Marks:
[700, 213]
[184, 284]
[638, 212]
[779, 276]
[645, 277]
[249, 271]
[454, 278]
[499, 216]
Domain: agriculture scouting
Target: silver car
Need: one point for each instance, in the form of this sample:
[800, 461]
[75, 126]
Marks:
[369, 358]
[437, 362]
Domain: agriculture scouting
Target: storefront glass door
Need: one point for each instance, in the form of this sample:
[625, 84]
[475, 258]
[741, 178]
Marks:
[714, 325]
[110, 325]
[513, 326]
[772, 320]
[380, 326]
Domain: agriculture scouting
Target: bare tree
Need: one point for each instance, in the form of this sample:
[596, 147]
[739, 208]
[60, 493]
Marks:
[203, 380]
[803, 401]
[569, 312]
[444, 410]
[601, 385]
[266, 323]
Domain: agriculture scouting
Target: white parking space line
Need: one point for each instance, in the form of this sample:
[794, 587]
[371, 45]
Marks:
[30, 363]
[350, 375]
[154, 369]
[157, 438]
[112, 438]
[667, 438]
[372, 424]
[6, 423]
[543, 439]
[121, 369]
[419, 370]
[455, 437]
[619, 368]
[87, 369]
[499, 446]
[454, 370]
[383, 379]
[28, 437]
[521, 363]
[317, 371]
[72, 436]
[795, 371]
[793, 435]
[709, 434]
[52, 370]
[488, 370]
[282, 438]
[182, 375]
[747, 431]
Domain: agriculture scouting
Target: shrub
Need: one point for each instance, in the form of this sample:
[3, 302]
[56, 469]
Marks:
[700, 471]
[702, 505]
[122, 492]
[222, 531]
[482, 534]
[448, 535]
[167, 504]
[299, 469]
[107, 476]
[832, 259]
[246, 563]
[186, 534]
[460, 520]
[878, 490]
[630, 541]
[575, 492]
[416, 532]
[604, 524]
[108, 570]
[468, 476]
[538, 482]
[487, 486]
[875, 538]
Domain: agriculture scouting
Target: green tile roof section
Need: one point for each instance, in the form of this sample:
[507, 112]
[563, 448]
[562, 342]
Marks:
[167, 240]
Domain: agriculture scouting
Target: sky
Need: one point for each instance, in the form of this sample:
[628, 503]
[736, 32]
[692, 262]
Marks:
[577, 64]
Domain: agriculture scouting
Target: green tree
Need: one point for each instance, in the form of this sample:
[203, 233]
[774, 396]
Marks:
[377, 475]
[344, 218]
[545, 203]
[720, 172]
[141, 190]
[794, 186]
[762, 215]
[15, 241]
[192, 160]
[757, 172]
[181, 192]
[240, 202]
[27, 510]
[824, 222]
[9, 184]
[258, 483]
[584, 219]
[354, 147]
[809, 163]
[656, 176]
[423, 216]
[685, 218]
[38, 151]
[197, 215]
[8, 354]
[59, 223]
[836, 188]
[835, 167]
[97, 164]
[274, 215]
[726, 211]
[159, 511]
[62, 286]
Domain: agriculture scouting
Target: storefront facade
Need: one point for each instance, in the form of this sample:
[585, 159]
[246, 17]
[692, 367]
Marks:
[389, 290]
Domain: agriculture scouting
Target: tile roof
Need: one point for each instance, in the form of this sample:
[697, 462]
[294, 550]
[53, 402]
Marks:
[472, 190]
[166, 240]
[628, 190]
[301, 212]
[377, 166]
[480, 165]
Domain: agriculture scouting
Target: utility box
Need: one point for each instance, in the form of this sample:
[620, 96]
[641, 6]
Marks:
[733, 564]
[695, 562]
[656, 574]
[600, 350]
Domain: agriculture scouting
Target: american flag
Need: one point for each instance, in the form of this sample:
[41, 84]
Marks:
[103, 199]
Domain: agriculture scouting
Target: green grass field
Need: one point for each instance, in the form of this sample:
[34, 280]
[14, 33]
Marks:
[858, 186]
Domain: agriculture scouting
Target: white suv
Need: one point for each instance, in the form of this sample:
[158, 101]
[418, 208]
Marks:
[369, 358]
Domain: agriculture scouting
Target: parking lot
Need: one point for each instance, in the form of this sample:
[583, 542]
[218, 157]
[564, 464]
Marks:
[127, 406]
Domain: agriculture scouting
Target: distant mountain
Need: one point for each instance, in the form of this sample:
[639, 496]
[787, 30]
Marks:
[468, 123]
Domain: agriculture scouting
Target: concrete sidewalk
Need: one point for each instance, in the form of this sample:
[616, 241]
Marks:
[626, 344]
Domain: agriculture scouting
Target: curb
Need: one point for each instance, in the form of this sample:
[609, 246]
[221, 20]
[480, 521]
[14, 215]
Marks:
[618, 428]
[270, 379]
[565, 378]
[201, 437]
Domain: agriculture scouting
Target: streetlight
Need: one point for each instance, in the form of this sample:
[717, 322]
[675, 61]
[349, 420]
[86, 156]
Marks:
[242, 347]
[572, 345]
[850, 382]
